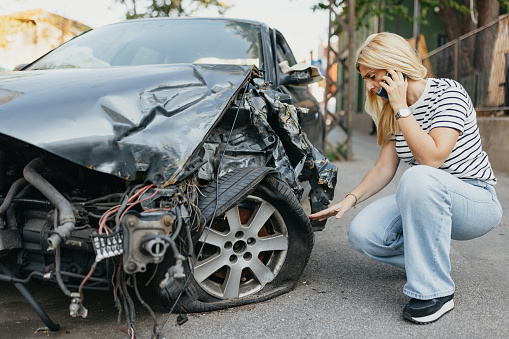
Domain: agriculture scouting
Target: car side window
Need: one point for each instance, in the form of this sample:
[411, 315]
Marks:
[283, 51]
[280, 54]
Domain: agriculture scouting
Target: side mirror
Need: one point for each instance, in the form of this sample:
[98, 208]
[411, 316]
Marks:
[301, 78]
[299, 74]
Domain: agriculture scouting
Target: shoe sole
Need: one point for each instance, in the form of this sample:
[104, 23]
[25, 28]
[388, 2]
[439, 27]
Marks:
[448, 306]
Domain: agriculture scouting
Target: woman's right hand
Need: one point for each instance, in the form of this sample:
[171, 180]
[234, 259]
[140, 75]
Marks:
[377, 178]
[337, 209]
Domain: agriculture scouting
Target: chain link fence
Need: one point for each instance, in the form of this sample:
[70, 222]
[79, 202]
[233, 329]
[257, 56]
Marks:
[478, 60]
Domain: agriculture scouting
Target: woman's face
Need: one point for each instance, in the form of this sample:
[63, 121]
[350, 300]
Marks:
[373, 77]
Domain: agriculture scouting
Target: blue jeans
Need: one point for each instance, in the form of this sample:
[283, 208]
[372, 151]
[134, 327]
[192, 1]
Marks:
[413, 228]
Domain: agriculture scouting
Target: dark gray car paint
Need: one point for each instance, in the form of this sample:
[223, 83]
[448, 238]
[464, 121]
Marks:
[119, 120]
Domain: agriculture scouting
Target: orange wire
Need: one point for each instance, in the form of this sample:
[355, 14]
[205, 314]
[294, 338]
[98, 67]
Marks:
[111, 212]
[138, 200]
[80, 290]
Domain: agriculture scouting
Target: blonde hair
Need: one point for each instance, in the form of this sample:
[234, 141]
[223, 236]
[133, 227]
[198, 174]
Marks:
[387, 51]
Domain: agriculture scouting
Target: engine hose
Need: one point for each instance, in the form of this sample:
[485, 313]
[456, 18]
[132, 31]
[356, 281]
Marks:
[180, 221]
[9, 198]
[144, 304]
[129, 305]
[66, 213]
[8, 278]
[35, 305]
[121, 209]
[58, 275]
[81, 276]
[124, 201]
[189, 240]
[179, 225]
[106, 197]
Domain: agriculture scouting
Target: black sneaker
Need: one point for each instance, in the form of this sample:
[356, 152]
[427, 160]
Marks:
[427, 311]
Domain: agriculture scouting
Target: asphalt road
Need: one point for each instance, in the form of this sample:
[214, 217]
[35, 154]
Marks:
[342, 293]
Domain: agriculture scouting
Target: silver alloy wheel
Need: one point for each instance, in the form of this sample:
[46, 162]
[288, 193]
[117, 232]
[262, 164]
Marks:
[244, 250]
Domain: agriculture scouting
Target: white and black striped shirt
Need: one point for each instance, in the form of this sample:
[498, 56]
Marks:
[445, 103]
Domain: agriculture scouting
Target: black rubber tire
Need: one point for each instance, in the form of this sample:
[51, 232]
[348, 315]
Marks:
[299, 246]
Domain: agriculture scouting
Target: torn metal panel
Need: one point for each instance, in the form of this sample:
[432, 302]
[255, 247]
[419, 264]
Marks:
[276, 153]
[327, 172]
[121, 120]
[272, 137]
[296, 143]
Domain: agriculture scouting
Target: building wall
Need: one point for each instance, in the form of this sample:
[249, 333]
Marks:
[494, 138]
[30, 34]
[495, 141]
[496, 95]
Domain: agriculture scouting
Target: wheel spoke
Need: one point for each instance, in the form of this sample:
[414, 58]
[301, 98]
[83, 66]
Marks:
[261, 272]
[213, 238]
[233, 218]
[207, 267]
[232, 282]
[273, 243]
[264, 212]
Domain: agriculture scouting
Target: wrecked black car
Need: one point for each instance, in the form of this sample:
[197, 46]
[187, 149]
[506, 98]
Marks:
[123, 153]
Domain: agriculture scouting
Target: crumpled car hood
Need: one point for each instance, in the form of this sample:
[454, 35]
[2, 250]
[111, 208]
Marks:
[120, 120]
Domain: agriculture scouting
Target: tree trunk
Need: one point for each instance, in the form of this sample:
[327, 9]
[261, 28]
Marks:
[484, 44]
[466, 55]
[467, 25]
[488, 11]
[485, 40]
[449, 21]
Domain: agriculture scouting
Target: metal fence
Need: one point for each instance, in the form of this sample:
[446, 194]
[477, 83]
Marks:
[478, 60]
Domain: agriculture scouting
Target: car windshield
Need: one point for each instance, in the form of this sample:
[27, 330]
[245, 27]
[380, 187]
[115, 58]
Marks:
[147, 42]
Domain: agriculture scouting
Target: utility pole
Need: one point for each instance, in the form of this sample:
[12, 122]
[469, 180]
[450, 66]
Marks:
[416, 25]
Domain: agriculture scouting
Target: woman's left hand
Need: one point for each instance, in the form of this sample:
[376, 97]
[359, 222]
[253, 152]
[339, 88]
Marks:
[396, 88]
[337, 210]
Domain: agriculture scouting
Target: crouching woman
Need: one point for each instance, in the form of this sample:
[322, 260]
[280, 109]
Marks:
[447, 193]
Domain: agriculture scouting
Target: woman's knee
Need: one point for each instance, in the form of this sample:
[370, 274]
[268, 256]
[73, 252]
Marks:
[419, 175]
[358, 235]
[369, 226]
[418, 181]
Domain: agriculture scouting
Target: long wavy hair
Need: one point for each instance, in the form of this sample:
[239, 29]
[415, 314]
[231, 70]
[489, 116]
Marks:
[387, 51]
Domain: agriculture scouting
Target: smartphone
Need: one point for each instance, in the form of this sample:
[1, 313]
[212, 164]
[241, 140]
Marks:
[382, 92]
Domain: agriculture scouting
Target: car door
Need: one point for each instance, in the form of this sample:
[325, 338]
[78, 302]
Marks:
[313, 123]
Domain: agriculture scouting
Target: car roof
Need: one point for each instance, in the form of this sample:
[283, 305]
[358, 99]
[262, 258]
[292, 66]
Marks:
[253, 22]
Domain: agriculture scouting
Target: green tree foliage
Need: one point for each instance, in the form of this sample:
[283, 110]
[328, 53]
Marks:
[365, 10]
[484, 12]
[165, 8]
